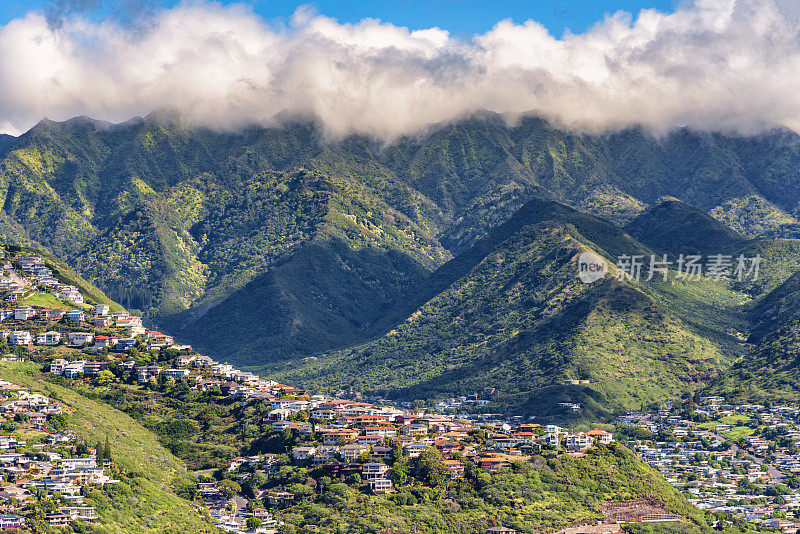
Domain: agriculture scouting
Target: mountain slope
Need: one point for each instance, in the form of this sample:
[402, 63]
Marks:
[770, 372]
[515, 316]
[174, 220]
[673, 227]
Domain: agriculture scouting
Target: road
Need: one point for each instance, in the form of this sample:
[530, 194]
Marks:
[239, 506]
[774, 473]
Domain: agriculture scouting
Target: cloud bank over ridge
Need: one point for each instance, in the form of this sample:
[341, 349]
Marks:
[729, 65]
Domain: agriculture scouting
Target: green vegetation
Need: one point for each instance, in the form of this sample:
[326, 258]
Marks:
[516, 317]
[533, 495]
[769, 373]
[277, 249]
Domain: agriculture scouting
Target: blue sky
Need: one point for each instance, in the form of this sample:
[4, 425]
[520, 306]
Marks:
[460, 17]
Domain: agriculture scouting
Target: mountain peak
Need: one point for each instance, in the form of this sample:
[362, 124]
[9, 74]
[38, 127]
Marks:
[675, 227]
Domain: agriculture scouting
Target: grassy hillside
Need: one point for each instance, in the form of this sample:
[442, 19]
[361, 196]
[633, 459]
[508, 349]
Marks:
[145, 504]
[770, 372]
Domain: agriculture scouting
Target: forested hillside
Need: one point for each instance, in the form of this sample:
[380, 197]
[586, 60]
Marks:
[272, 246]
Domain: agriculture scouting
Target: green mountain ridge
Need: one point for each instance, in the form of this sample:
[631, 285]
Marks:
[511, 313]
[267, 246]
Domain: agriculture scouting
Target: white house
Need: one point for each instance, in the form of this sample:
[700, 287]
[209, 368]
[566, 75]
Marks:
[135, 330]
[57, 366]
[380, 485]
[20, 337]
[176, 373]
[70, 294]
[69, 464]
[48, 338]
[302, 454]
[74, 369]
[23, 313]
[80, 338]
[552, 439]
[602, 436]
[102, 309]
[76, 316]
[579, 442]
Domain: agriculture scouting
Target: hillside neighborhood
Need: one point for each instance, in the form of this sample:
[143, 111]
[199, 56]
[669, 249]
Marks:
[47, 475]
[736, 459]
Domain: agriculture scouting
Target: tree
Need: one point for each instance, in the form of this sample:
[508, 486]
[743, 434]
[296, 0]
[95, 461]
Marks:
[57, 421]
[253, 523]
[105, 377]
[260, 479]
[107, 450]
[229, 487]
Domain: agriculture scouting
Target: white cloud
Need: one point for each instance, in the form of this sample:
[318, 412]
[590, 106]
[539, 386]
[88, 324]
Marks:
[712, 64]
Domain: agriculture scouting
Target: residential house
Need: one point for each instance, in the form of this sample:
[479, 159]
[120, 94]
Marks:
[23, 313]
[579, 442]
[93, 368]
[102, 342]
[183, 360]
[57, 519]
[384, 453]
[80, 338]
[176, 373]
[455, 468]
[380, 486]
[501, 530]
[82, 513]
[157, 339]
[135, 330]
[415, 430]
[203, 361]
[76, 316]
[127, 321]
[412, 450]
[15, 294]
[324, 415]
[48, 338]
[552, 439]
[52, 314]
[281, 499]
[70, 295]
[493, 463]
[303, 454]
[602, 436]
[20, 337]
[380, 431]
[57, 366]
[373, 470]
[369, 440]
[74, 369]
[352, 452]
[145, 373]
[336, 436]
[325, 453]
[102, 309]
[101, 321]
[125, 344]
[70, 464]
